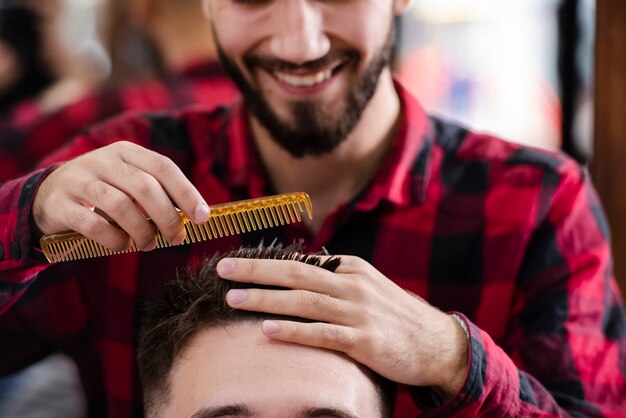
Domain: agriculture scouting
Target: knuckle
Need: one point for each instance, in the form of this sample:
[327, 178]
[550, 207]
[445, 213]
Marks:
[297, 268]
[369, 343]
[313, 300]
[355, 262]
[163, 165]
[355, 288]
[249, 266]
[97, 190]
[299, 332]
[339, 338]
[173, 223]
[119, 204]
[142, 232]
[78, 221]
[143, 236]
[92, 227]
[119, 243]
[122, 145]
[347, 262]
[123, 170]
[115, 149]
[144, 184]
[187, 194]
[294, 331]
[261, 298]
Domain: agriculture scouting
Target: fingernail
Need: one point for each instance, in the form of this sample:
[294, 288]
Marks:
[271, 327]
[150, 246]
[202, 213]
[179, 238]
[236, 296]
[225, 267]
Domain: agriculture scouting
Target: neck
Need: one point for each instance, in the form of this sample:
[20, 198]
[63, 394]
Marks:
[335, 179]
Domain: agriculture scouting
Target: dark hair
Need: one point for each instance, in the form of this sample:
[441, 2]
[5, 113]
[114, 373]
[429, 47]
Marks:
[196, 300]
[20, 29]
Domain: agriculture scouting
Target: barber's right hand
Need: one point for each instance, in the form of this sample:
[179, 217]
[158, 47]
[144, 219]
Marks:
[122, 180]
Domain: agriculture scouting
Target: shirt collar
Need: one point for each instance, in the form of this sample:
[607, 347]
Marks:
[401, 180]
[404, 173]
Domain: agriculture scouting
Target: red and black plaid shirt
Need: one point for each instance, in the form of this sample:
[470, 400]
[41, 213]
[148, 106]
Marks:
[27, 135]
[513, 238]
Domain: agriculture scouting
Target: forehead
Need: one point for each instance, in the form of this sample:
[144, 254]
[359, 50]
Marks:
[261, 7]
[238, 365]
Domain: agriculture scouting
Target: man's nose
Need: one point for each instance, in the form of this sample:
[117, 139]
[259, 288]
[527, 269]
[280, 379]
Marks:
[299, 34]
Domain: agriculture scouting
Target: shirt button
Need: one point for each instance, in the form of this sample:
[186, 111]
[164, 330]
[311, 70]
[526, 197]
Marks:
[15, 251]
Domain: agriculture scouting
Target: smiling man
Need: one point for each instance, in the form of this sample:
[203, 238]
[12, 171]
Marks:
[475, 273]
[200, 358]
[306, 88]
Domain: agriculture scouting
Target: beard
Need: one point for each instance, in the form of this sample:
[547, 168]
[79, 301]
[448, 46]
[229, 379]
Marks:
[313, 130]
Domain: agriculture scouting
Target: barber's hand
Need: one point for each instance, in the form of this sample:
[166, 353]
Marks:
[364, 314]
[122, 180]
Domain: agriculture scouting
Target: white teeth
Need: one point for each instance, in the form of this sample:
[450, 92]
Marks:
[303, 80]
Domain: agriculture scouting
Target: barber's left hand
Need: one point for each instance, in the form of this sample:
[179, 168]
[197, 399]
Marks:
[363, 314]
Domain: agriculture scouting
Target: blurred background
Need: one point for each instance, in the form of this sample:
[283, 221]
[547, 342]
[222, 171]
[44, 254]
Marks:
[520, 69]
[495, 66]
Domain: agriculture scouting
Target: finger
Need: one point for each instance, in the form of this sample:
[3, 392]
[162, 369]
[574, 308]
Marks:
[352, 265]
[122, 210]
[300, 303]
[149, 196]
[329, 336]
[285, 273]
[95, 227]
[176, 185]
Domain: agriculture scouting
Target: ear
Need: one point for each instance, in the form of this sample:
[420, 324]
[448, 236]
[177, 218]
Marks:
[401, 6]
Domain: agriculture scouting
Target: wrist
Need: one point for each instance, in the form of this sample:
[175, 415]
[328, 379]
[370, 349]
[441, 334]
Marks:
[35, 230]
[455, 361]
[35, 212]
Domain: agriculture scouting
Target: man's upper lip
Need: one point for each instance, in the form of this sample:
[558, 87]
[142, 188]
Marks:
[300, 81]
[303, 71]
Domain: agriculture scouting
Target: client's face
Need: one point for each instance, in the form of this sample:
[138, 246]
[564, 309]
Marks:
[238, 372]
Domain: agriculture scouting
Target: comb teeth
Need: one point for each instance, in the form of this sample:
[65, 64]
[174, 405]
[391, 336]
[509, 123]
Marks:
[223, 223]
[226, 219]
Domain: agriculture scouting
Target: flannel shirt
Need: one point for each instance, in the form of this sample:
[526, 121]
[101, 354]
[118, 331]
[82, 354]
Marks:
[511, 238]
[27, 134]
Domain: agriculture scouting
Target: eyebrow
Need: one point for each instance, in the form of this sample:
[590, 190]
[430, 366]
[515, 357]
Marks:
[326, 413]
[244, 411]
[223, 411]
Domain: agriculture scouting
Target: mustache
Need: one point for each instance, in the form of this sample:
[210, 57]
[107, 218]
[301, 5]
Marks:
[274, 64]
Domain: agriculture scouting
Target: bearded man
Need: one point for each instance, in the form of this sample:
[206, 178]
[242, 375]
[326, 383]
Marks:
[480, 271]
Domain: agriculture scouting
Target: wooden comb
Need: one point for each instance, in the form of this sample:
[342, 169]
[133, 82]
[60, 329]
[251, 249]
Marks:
[225, 219]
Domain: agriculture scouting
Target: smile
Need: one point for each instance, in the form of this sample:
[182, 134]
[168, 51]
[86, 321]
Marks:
[309, 80]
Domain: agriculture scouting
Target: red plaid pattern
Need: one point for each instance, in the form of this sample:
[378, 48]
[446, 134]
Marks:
[512, 238]
[27, 135]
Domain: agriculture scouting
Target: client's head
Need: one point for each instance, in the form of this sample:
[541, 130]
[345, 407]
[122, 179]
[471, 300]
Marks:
[199, 358]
